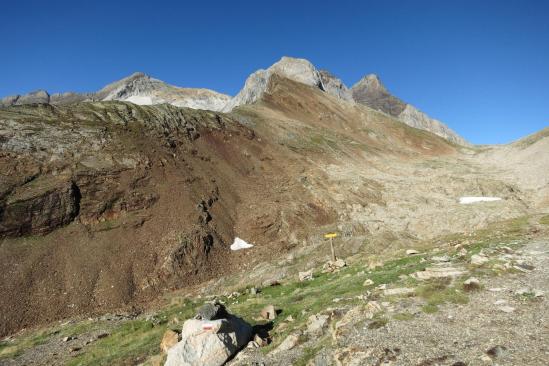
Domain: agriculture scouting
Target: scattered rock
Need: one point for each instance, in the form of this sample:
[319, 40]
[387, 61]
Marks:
[316, 324]
[478, 260]
[471, 284]
[412, 252]
[254, 291]
[211, 311]
[368, 282]
[268, 312]
[289, 318]
[290, 342]
[69, 338]
[332, 266]
[75, 349]
[524, 265]
[209, 342]
[438, 272]
[169, 339]
[507, 309]
[496, 351]
[261, 342]
[306, 276]
[102, 335]
[402, 291]
[443, 258]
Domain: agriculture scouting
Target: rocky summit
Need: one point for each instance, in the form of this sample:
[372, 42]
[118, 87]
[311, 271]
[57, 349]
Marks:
[298, 222]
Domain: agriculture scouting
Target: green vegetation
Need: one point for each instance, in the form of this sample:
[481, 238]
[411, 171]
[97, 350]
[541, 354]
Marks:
[437, 292]
[544, 220]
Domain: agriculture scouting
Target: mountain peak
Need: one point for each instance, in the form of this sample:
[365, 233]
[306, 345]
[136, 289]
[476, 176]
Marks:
[371, 82]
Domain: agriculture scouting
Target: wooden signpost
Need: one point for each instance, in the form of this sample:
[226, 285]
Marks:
[331, 236]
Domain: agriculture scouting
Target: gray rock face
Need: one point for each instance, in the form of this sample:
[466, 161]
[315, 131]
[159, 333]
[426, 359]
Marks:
[416, 118]
[209, 343]
[38, 96]
[296, 69]
[334, 86]
[371, 92]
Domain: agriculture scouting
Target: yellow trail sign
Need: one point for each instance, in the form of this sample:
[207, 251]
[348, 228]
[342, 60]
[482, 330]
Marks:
[330, 235]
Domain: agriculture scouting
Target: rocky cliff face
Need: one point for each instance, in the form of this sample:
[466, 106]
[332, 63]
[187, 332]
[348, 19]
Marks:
[371, 92]
[295, 69]
[334, 86]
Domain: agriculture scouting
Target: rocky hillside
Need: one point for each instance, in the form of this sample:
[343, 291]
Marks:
[105, 206]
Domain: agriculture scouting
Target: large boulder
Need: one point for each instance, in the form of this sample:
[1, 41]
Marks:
[209, 342]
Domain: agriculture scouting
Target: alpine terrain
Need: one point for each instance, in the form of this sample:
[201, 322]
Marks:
[300, 222]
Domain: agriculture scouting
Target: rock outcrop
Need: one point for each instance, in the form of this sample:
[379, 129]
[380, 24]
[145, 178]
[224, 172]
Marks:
[209, 342]
[295, 69]
[334, 86]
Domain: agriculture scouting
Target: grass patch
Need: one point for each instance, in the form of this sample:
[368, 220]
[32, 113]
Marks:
[438, 292]
[544, 220]
[429, 308]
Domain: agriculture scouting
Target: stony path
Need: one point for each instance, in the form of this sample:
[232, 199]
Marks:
[498, 326]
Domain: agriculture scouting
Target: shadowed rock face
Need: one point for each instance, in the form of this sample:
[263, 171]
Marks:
[371, 92]
[334, 86]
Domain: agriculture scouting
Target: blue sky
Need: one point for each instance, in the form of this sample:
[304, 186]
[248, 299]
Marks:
[482, 67]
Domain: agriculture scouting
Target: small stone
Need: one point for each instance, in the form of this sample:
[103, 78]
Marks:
[316, 324]
[478, 260]
[443, 258]
[169, 339]
[259, 341]
[268, 312]
[383, 286]
[368, 282]
[306, 276]
[471, 284]
[402, 291]
[287, 344]
[289, 318]
[254, 291]
[75, 349]
[539, 293]
[507, 309]
[102, 335]
[462, 252]
[66, 339]
[496, 351]
[524, 265]
[486, 359]
[500, 302]
[411, 252]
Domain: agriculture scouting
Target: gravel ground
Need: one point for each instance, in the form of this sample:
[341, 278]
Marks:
[477, 333]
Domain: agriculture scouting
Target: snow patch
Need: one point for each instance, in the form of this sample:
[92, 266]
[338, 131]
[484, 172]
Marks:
[240, 244]
[139, 100]
[468, 200]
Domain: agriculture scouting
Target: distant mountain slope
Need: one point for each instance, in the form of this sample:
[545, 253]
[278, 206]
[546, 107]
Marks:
[368, 91]
[142, 89]
[371, 92]
[137, 88]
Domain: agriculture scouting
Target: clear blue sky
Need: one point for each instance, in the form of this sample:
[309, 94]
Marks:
[482, 67]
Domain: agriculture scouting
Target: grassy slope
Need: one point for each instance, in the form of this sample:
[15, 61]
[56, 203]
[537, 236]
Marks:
[140, 338]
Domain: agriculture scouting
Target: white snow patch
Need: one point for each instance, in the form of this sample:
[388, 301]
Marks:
[468, 200]
[240, 244]
[139, 100]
